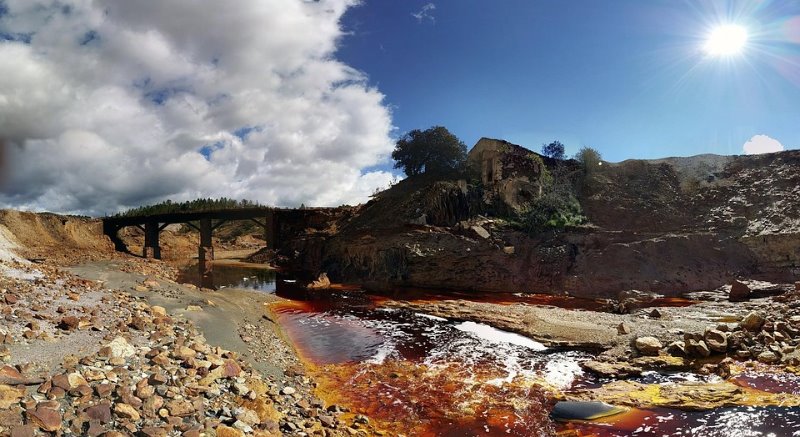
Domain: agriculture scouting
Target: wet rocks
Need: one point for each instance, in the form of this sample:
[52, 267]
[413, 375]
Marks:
[648, 345]
[716, 340]
[739, 292]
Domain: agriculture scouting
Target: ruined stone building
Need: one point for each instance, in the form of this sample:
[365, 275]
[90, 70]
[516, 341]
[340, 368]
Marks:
[509, 173]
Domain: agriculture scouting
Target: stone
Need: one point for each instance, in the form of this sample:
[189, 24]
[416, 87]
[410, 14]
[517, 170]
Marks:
[716, 340]
[288, 391]
[180, 408]
[100, 413]
[327, 421]
[120, 348]
[480, 231]
[611, 369]
[623, 329]
[677, 348]
[69, 323]
[158, 311]
[648, 345]
[126, 411]
[753, 321]
[739, 292]
[10, 396]
[224, 431]
[797, 286]
[47, 419]
[768, 357]
[231, 369]
[322, 282]
[655, 314]
[23, 431]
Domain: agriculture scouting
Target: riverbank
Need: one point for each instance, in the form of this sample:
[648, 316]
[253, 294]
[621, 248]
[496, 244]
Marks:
[118, 347]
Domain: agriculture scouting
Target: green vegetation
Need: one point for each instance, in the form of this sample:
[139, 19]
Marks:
[434, 150]
[197, 205]
[589, 159]
[553, 150]
[556, 208]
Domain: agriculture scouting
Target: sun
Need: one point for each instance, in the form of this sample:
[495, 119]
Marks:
[726, 40]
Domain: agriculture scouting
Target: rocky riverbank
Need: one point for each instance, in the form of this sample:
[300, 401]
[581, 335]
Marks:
[95, 355]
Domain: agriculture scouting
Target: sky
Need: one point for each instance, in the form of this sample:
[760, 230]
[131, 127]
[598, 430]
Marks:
[111, 104]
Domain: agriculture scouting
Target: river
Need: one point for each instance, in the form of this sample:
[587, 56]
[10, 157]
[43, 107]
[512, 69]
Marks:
[427, 376]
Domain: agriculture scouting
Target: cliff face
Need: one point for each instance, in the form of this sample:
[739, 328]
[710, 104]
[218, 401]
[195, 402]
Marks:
[669, 226]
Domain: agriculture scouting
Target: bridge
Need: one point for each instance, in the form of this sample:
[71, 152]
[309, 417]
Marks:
[276, 222]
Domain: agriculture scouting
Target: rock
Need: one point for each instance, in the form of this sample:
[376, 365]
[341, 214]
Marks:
[69, 323]
[322, 282]
[716, 340]
[739, 292]
[10, 396]
[480, 231]
[47, 419]
[677, 348]
[611, 369]
[288, 391]
[23, 431]
[768, 357]
[327, 421]
[753, 321]
[158, 311]
[797, 286]
[126, 411]
[661, 362]
[231, 369]
[655, 314]
[648, 345]
[224, 431]
[120, 348]
[180, 408]
[623, 329]
[194, 308]
[100, 413]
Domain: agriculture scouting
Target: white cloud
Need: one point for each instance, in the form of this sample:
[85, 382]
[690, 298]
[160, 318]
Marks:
[426, 13]
[114, 103]
[762, 144]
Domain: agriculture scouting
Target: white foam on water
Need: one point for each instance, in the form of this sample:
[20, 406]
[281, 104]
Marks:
[428, 316]
[494, 335]
[561, 371]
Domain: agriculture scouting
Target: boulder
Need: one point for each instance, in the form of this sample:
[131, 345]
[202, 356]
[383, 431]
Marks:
[611, 369]
[768, 357]
[739, 292]
[623, 329]
[47, 419]
[753, 321]
[716, 340]
[648, 345]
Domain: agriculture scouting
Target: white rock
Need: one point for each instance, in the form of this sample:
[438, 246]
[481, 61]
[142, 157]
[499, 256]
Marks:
[120, 348]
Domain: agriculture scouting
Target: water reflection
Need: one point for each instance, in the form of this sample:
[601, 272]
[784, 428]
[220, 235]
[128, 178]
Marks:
[231, 276]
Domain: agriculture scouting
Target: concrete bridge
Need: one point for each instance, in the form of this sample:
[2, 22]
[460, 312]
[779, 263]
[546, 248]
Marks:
[278, 223]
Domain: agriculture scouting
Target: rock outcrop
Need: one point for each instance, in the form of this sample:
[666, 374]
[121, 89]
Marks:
[667, 226]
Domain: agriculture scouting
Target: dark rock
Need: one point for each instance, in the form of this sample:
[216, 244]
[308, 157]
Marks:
[739, 292]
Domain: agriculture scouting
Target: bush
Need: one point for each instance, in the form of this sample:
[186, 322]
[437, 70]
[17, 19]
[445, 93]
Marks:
[551, 211]
[589, 158]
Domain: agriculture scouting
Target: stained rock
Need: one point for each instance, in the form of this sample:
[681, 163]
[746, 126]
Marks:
[739, 292]
[10, 396]
[126, 411]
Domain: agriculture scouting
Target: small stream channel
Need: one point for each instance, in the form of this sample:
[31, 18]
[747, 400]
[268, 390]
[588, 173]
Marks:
[426, 376]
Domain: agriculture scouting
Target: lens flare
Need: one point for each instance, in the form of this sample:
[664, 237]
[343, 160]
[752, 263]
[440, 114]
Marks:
[726, 40]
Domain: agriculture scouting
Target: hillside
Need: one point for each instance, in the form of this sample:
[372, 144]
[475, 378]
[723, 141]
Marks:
[670, 225]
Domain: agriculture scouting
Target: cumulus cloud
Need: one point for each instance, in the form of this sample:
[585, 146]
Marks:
[426, 13]
[762, 144]
[107, 104]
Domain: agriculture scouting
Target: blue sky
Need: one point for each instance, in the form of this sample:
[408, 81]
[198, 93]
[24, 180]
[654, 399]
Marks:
[627, 77]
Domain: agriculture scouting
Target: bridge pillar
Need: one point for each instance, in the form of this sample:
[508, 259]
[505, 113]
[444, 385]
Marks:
[205, 253]
[271, 230]
[151, 249]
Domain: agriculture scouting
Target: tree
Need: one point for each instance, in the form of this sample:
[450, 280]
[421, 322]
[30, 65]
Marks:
[553, 150]
[433, 150]
[589, 159]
